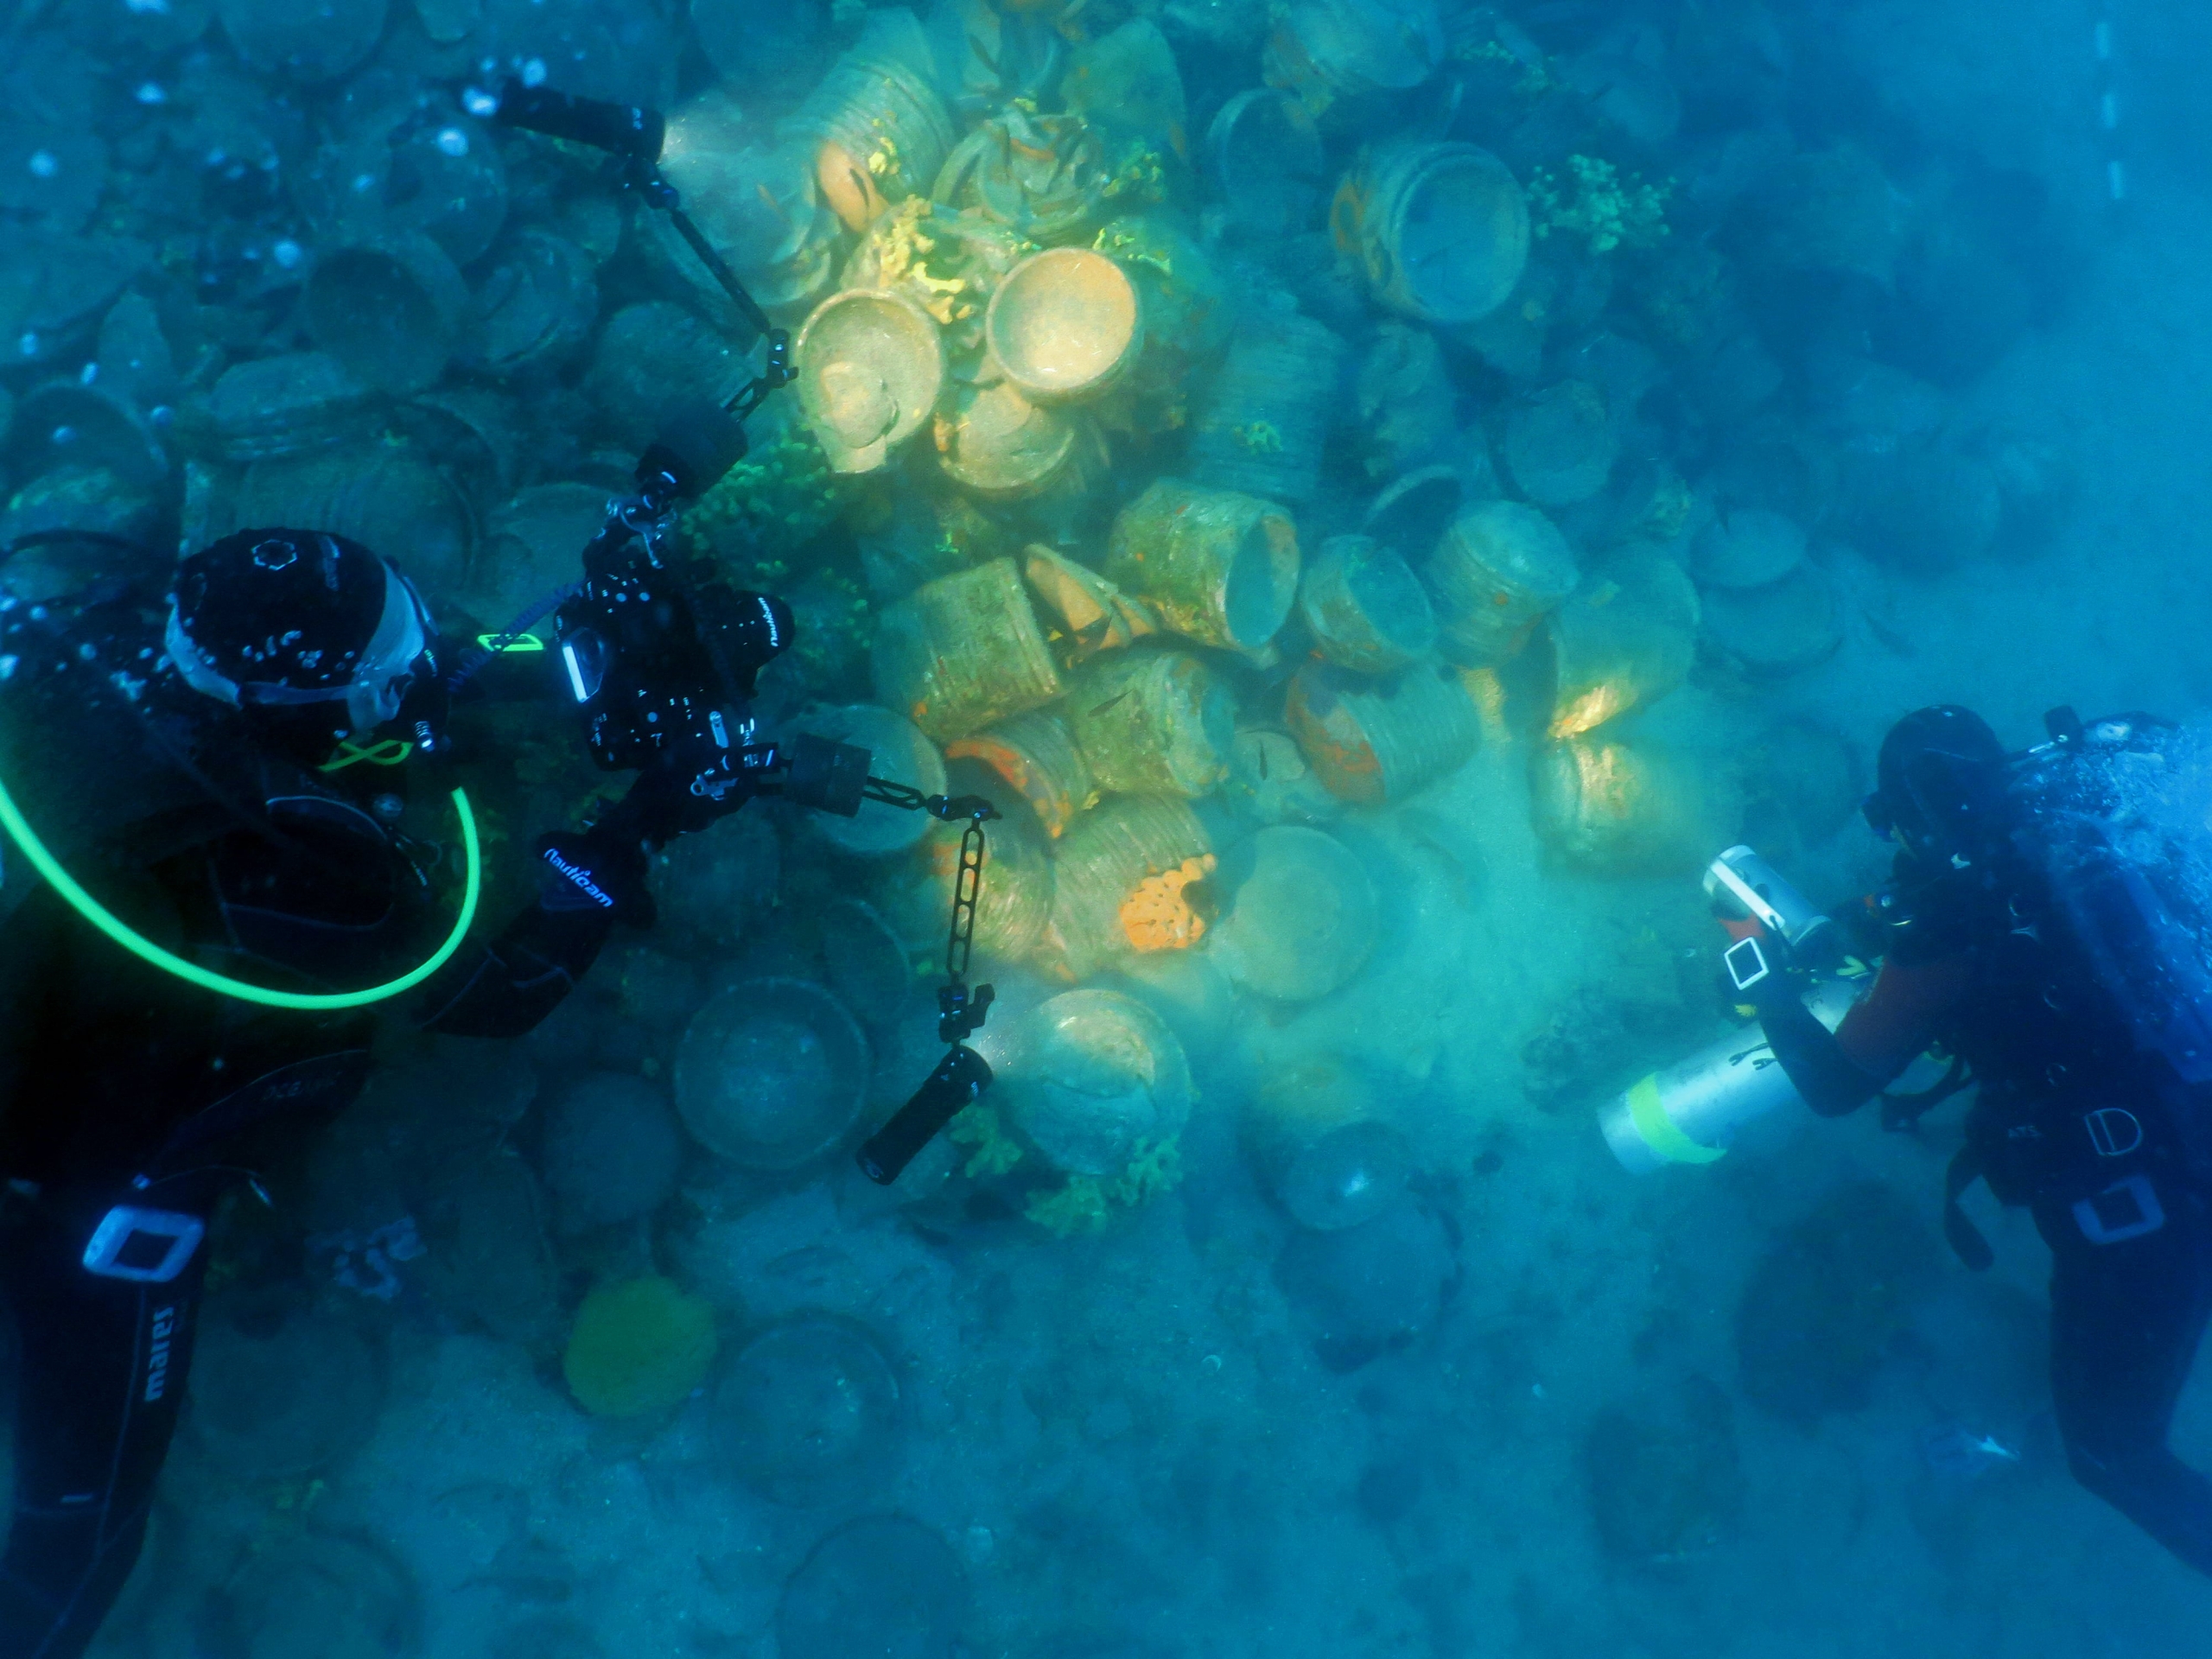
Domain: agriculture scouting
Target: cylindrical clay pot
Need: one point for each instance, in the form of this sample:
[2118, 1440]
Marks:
[1495, 573]
[1372, 741]
[964, 651]
[1152, 722]
[1215, 565]
[1364, 607]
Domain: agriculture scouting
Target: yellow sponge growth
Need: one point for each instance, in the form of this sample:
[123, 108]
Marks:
[1599, 203]
[1086, 1204]
[1164, 913]
[638, 1347]
[1078, 1207]
[994, 1151]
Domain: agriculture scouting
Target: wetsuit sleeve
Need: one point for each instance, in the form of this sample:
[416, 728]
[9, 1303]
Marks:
[586, 883]
[1881, 1035]
[503, 987]
[30, 951]
[1911, 1004]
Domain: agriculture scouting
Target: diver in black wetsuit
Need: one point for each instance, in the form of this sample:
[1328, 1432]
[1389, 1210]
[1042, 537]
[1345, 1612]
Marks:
[2093, 1106]
[128, 1097]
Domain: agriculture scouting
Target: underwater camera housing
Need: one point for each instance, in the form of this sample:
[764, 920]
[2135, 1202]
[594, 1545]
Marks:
[1744, 887]
[1692, 1111]
[656, 655]
[659, 655]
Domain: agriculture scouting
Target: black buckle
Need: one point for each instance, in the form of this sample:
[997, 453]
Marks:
[2114, 1131]
[146, 1246]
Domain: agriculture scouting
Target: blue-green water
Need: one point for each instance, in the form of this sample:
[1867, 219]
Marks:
[1103, 1378]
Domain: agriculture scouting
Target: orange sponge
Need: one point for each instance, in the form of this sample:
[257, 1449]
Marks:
[1161, 914]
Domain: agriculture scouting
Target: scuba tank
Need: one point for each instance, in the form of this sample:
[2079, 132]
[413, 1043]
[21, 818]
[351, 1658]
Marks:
[1691, 1112]
[2113, 816]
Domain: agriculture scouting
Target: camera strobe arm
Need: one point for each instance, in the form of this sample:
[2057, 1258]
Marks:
[832, 776]
[659, 192]
[621, 129]
[634, 138]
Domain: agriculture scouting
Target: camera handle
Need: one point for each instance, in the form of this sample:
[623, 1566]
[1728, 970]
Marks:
[642, 517]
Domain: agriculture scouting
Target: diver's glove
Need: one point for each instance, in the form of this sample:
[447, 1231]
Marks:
[691, 784]
[602, 868]
[1763, 972]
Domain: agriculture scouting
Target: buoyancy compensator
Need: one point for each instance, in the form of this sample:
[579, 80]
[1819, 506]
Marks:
[2112, 816]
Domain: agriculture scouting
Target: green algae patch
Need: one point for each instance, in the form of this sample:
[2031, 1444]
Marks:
[1086, 1204]
[636, 1347]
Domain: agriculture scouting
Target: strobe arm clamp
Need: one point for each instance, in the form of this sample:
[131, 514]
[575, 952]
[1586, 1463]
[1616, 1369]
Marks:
[833, 777]
[963, 1075]
[633, 138]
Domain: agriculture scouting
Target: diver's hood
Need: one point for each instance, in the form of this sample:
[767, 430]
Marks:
[370, 696]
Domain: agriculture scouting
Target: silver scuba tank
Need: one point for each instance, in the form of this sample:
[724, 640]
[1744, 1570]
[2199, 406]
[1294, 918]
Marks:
[1691, 1112]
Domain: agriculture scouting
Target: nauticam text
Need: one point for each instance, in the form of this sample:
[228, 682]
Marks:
[157, 1360]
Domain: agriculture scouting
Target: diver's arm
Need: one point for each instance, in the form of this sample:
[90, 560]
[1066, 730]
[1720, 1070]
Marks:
[1883, 1033]
[1831, 1081]
[503, 989]
[586, 883]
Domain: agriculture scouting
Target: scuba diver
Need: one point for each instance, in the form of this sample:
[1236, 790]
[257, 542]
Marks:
[237, 718]
[2048, 959]
[232, 817]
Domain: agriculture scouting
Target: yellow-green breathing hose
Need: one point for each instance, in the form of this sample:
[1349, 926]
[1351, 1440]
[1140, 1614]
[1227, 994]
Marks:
[100, 915]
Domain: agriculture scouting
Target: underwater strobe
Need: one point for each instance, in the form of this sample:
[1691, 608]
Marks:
[1692, 1112]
